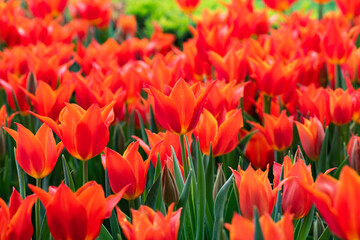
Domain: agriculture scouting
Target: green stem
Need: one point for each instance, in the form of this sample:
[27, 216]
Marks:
[85, 172]
[267, 104]
[321, 11]
[37, 211]
[183, 155]
[339, 83]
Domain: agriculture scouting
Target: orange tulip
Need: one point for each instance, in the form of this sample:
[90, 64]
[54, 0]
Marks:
[254, 191]
[48, 102]
[179, 112]
[126, 169]
[43, 8]
[274, 77]
[337, 202]
[350, 8]
[279, 5]
[85, 134]
[224, 136]
[36, 154]
[15, 221]
[12, 88]
[127, 24]
[311, 135]
[76, 215]
[340, 106]
[336, 44]
[277, 131]
[146, 224]
[160, 144]
[243, 229]
[259, 152]
[97, 12]
[295, 200]
[188, 6]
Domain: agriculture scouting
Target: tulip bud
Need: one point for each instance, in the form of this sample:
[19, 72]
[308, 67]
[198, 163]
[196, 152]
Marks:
[219, 181]
[31, 83]
[353, 150]
[298, 155]
[318, 227]
[169, 190]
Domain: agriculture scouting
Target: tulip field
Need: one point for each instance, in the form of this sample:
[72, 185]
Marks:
[242, 124]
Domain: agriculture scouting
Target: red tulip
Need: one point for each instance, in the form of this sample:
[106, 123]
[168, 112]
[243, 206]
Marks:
[259, 152]
[44, 8]
[295, 200]
[146, 224]
[340, 106]
[36, 154]
[85, 134]
[337, 202]
[15, 221]
[277, 131]
[127, 169]
[188, 6]
[76, 215]
[311, 135]
[224, 136]
[179, 112]
[279, 5]
[243, 229]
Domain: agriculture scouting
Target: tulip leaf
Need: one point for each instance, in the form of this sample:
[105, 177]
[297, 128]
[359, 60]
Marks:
[321, 163]
[219, 208]
[302, 229]
[153, 128]
[21, 178]
[177, 172]
[277, 210]
[142, 128]
[210, 185]
[44, 231]
[104, 234]
[114, 225]
[153, 193]
[247, 138]
[258, 232]
[67, 174]
[326, 234]
[184, 199]
[201, 194]
[340, 167]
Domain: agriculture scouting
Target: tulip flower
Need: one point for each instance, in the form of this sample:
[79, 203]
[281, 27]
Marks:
[126, 169]
[15, 221]
[127, 24]
[279, 5]
[147, 224]
[337, 202]
[259, 152]
[340, 106]
[350, 8]
[274, 77]
[353, 150]
[85, 134]
[48, 102]
[295, 200]
[179, 112]
[311, 135]
[277, 131]
[160, 144]
[254, 191]
[336, 44]
[97, 12]
[36, 154]
[223, 136]
[43, 8]
[188, 6]
[243, 229]
[76, 215]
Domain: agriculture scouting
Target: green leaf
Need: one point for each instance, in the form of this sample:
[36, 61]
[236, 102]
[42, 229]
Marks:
[219, 208]
[114, 225]
[67, 175]
[153, 193]
[258, 232]
[184, 196]
[104, 234]
[278, 211]
[177, 172]
[340, 167]
[326, 234]
[321, 163]
[303, 228]
[21, 178]
[247, 138]
[142, 128]
[44, 231]
[201, 194]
